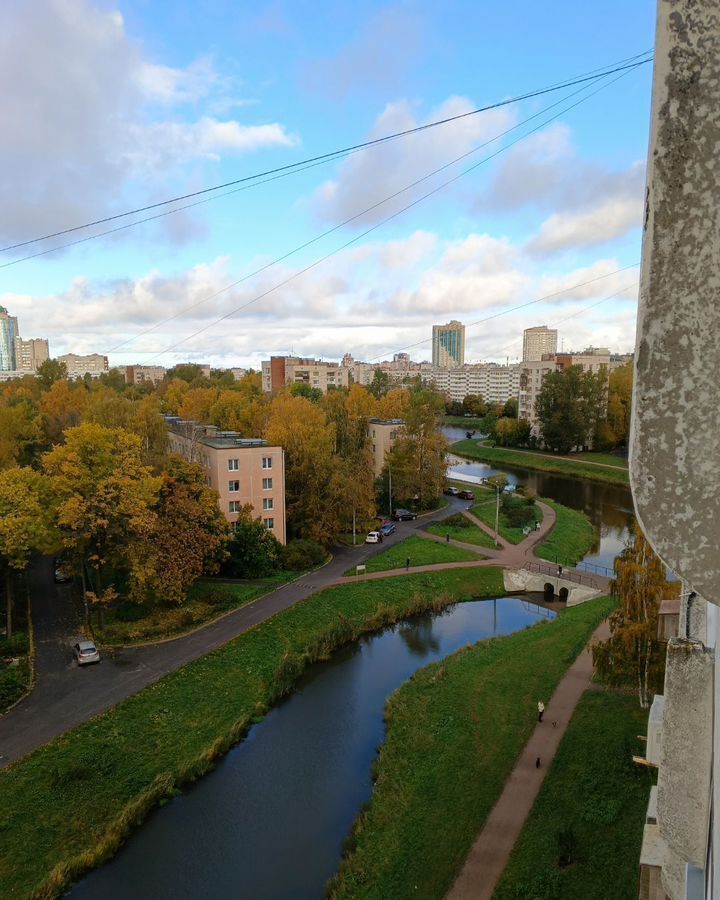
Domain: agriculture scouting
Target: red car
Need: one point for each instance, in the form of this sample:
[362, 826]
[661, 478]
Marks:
[466, 495]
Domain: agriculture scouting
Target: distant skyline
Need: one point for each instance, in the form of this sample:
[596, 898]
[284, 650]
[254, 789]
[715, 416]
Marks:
[177, 102]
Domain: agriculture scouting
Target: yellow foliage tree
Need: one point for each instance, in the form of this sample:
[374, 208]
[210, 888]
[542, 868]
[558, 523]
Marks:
[61, 407]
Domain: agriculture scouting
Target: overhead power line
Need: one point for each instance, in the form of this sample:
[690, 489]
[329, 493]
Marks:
[629, 63]
[388, 218]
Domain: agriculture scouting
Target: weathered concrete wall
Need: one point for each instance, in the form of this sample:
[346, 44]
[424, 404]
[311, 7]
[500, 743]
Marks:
[523, 580]
[686, 760]
[675, 434]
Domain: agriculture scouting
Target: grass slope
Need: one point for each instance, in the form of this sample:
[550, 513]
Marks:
[571, 538]
[454, 732]
[470, 535]
[68, 805]
[421, 551]
[528, 460]
[485, 511]
[594, 791]
[132, 623]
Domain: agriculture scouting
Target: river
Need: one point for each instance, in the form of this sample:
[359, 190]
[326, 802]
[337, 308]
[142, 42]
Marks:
[269, 822]
[608, 506]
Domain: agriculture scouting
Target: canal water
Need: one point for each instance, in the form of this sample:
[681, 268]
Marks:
[608, 506]
[269, 822]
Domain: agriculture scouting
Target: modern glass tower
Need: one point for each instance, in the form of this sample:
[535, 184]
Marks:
[8, 335]
[448, 345]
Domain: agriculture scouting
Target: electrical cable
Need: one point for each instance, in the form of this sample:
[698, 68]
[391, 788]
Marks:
[628, 63]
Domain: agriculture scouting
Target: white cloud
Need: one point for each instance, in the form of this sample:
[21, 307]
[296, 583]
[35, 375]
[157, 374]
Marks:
[88, 111]
[604, 222]
[368, 177]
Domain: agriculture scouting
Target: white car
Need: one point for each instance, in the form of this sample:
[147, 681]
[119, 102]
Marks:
[374, 537]
[86, 652]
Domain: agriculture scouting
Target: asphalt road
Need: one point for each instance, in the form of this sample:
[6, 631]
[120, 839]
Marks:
[66, 695]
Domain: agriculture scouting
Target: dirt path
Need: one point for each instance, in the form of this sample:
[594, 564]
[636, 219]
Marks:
[492, 849]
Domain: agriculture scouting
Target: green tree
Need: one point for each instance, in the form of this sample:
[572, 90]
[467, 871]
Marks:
[511, 408]
[313, 394]
[633, 654]
[51, 371]
[474, 405]
[619, 405]
[380, 383]
[25, 526]
[253, 551]
[569, 406]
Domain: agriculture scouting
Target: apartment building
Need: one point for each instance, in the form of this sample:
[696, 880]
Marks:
[31, 354]
[493, 382]
[383, 433]
[242, 470]
[8, 338]
[537, 342]
[94, 364]
[144, 374]
[448, 345]
[279, 371]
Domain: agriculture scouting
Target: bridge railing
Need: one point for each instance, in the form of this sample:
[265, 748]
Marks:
[567, 574]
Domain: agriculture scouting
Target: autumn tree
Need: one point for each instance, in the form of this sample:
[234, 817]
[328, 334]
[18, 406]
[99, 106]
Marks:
[633, 654]
[173, 394]
[417, 458]
[240, 410]
[61, 407]
[25, 526]
[51, 371]
[104, 496]
[394, 404]
[20, 433]
[186, 537]
[619, 405]
[197, 403]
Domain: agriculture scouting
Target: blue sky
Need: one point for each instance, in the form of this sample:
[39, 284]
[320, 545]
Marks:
[113, 105]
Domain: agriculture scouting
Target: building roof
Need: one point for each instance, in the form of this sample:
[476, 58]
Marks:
[211, 436]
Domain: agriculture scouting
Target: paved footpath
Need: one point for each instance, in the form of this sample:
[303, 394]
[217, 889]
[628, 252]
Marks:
[492, 849]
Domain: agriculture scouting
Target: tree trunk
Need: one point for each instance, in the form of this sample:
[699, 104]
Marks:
[9, 602]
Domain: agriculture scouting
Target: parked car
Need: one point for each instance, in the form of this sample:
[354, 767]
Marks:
[86, 652]
[403, 515]
[387, 529]
[62, 575]
[452, 491]
[374, 537]
[466, 495]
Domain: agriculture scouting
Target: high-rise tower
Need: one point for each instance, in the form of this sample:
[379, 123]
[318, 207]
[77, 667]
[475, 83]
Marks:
[448, 345]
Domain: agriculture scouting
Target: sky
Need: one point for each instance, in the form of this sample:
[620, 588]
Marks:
[110, 106]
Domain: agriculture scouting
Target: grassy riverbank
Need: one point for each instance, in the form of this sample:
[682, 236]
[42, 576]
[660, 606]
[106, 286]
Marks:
[527, 459]
[485, 511]
[590, 808]
[68, 806]
[454, 732]
[127, 623]
[420, 552]
[571, 538]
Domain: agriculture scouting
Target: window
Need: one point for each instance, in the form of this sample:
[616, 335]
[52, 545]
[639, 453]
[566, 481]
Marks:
[267, 502]
[269, 523]
[234, 506]
[267, 462]
[267, 484]
[233, 465]
[233, 486]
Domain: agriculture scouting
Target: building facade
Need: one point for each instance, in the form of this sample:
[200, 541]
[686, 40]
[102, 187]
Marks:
[281, 371]
[93, 364]
[448, 345]
[493, 382]
[537, 342]
[8, 341]
[383, 433]
[144, 374]
[31, 354]
[242, 470]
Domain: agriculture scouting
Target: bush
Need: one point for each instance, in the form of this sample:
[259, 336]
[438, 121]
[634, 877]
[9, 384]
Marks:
[302, 554]
[458, 521]
[254, 552]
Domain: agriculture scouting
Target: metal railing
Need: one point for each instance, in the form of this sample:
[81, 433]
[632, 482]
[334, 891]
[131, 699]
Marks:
[567, 574]
[598, 570]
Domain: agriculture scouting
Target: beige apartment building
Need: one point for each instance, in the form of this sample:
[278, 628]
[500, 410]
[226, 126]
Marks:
[383, 433]
[279, 371]
[93, 364]
[539, 341]
[31, 354]
[144, 374]
[242, 470]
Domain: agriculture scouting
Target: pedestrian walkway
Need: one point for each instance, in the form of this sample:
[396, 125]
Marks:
[494, 845]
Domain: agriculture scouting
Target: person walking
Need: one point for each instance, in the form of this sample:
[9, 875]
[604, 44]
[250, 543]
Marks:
[447, 538]
[407, 563]
[541, 710]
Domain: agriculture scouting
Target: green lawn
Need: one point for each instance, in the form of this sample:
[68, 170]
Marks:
[571, 539]
[531, 460]
[470, 423]
[591, 806]
[469, 534]
[69, 805]
[485, 511]
[605, 459]
[421, 551]
[133, 623]
[454, 732]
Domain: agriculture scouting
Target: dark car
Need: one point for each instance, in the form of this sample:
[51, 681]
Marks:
[404, 515]
[452, 491]
[466, 495]
[62, 574]
[387, 529]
